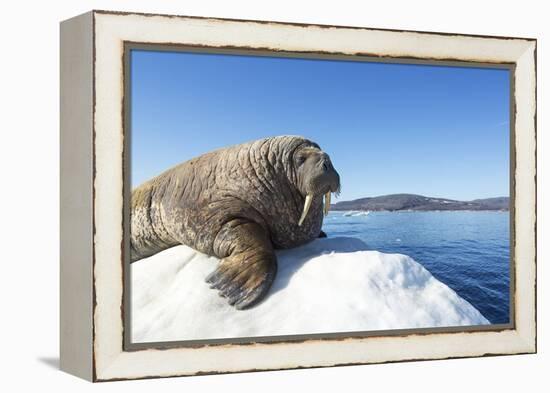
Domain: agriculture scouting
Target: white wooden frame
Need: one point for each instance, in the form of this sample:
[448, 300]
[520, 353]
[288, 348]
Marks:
[92, 194]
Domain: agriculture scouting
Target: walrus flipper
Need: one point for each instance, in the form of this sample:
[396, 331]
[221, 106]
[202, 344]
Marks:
[246, 274]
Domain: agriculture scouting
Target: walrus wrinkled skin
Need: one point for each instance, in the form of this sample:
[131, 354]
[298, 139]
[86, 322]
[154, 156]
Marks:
[238, 204]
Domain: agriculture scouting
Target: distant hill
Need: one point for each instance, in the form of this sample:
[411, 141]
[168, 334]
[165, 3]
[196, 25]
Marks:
[396, 202]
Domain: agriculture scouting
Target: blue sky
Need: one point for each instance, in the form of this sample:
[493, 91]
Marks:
[389, 128]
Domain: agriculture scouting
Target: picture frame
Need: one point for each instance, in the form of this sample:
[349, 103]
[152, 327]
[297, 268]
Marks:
[94, 343]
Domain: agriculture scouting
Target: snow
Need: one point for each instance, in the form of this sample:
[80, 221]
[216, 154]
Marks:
[328, 285]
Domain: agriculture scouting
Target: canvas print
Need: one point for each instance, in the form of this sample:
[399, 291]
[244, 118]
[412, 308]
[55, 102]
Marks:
[286, 196]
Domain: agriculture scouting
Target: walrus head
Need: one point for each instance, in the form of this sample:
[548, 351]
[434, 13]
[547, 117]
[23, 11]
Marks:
[315, 176]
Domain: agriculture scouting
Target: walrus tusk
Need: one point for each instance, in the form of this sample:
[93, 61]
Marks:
[307, 205]
[327, 202]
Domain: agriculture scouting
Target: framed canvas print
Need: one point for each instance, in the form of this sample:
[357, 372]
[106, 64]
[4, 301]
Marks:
[246, 195]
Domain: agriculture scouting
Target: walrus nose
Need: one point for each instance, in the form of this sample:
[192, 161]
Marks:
[327, 165]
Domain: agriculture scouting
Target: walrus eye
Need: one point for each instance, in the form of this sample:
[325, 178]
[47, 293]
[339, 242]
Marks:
[300, 160]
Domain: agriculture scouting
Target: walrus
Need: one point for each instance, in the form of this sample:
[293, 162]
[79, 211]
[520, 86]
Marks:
[239, 204]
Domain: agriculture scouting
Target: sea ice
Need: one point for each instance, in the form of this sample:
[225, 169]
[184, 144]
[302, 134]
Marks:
[356, 213]
[328, 285]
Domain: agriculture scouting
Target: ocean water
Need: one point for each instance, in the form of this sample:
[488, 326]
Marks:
[468, 251]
